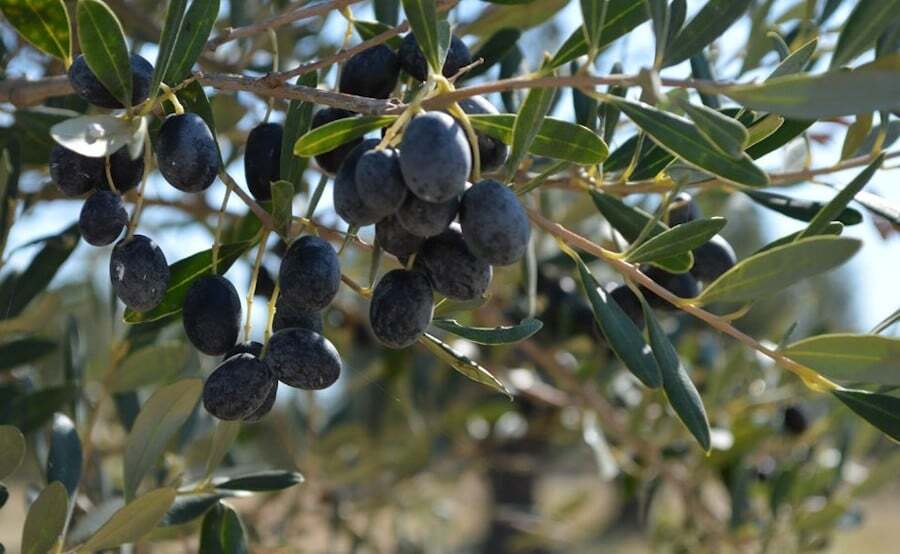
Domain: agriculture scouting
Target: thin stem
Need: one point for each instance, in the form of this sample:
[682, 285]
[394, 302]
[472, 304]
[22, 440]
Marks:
[254, 279]
[271, 104]
[139, 204]
[107, 166]
[170, 96]
[220, 223]
[272, 309]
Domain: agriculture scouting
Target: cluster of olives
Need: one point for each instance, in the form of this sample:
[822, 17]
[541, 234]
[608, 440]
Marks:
[711, 260]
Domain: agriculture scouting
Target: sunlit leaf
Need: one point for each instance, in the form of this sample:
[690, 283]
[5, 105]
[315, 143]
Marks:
[156, 363]
[555, 138]
[506, 334]
[713, 19]
[836, 206]
[44, 24]
[850, 358]
[881, 410]
[331, 135]
[778, 268]
[678, 239]
[463, 364]
[865, 23]
[102, 42]
[45, 520]
[133, 521]
[423, 20]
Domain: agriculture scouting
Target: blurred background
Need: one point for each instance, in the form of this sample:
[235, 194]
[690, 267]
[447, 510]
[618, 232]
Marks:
[405, 455]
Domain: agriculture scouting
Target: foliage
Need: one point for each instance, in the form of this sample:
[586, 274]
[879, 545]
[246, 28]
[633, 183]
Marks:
[101, 407]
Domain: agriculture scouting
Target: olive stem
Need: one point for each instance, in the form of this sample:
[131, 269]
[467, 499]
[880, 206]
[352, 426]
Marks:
[220, 223]
[254, 279]
[407, 114]
[109, 178]
[139, 204]
[170, 96]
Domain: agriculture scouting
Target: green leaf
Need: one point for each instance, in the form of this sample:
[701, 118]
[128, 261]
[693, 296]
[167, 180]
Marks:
[423, 21]
[296, 123]
[871, 359]
[190, 39]
[786, 132]
[512, 15]
[64, 456]
[97, 135]
[763, 128]
[282, 206]
[16, 293]
[45, 520]
[722, 132]
[188, 507]
[103, 44]
[44, 24]
[779, 268]
[12, 450]
[629, 222]
[622, 16]
[676, 382]
[833, 229]
[798, 208]
[659, 17]
[506, 334]
[678, 239]
[796, 62]
[833, 209]
[170, 31]
[262, 481]
[881, 410]
[683, 139]
[713, 19]
[160, 418]
[866, 22]
[493, 50]
[222, 532]
[156, 363]
[10, 169]
[528, 122]
[24, 350]
[31, 410]
[463, 364]
[387, 11]
[371, 29]
[224, 436]
[133, 521]
[594, 14]
[856, 135]
[555, 138]
[186, 271]
[622, 335]
[331, 135]
[872, 87]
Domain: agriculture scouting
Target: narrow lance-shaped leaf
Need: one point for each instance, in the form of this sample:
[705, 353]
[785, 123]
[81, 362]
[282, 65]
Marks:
[156, 363]
[865, 23]
[881, 410]
[710, 22]
[12, 450]
[856, 135]
[622, 16]
[677, 384]
[762, 129]
[103, 44]
[45, 25]
[223, 438]
[722, 132]
[872, 87]
[282, 204]
[160, 418]
[463, 364]
[837, 204]
[630, 221]
[24, 350]
[183, 273]
[17, 292]
[555, 138]
[222, 532]
[171, 30]
[45, 520]
[778, 268]
[682, 139]
[528, 123]
[799, 208]
[659, 16]
[850, 358]
[64, 456]
[678, 239]
[190, 40]
[133, 521]
[370, 29]
[622, 335]
[834, 228]
[423, 20]
[594, 15]
[331, 135]
[261, 481]
[796, 61]
[507, 334]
